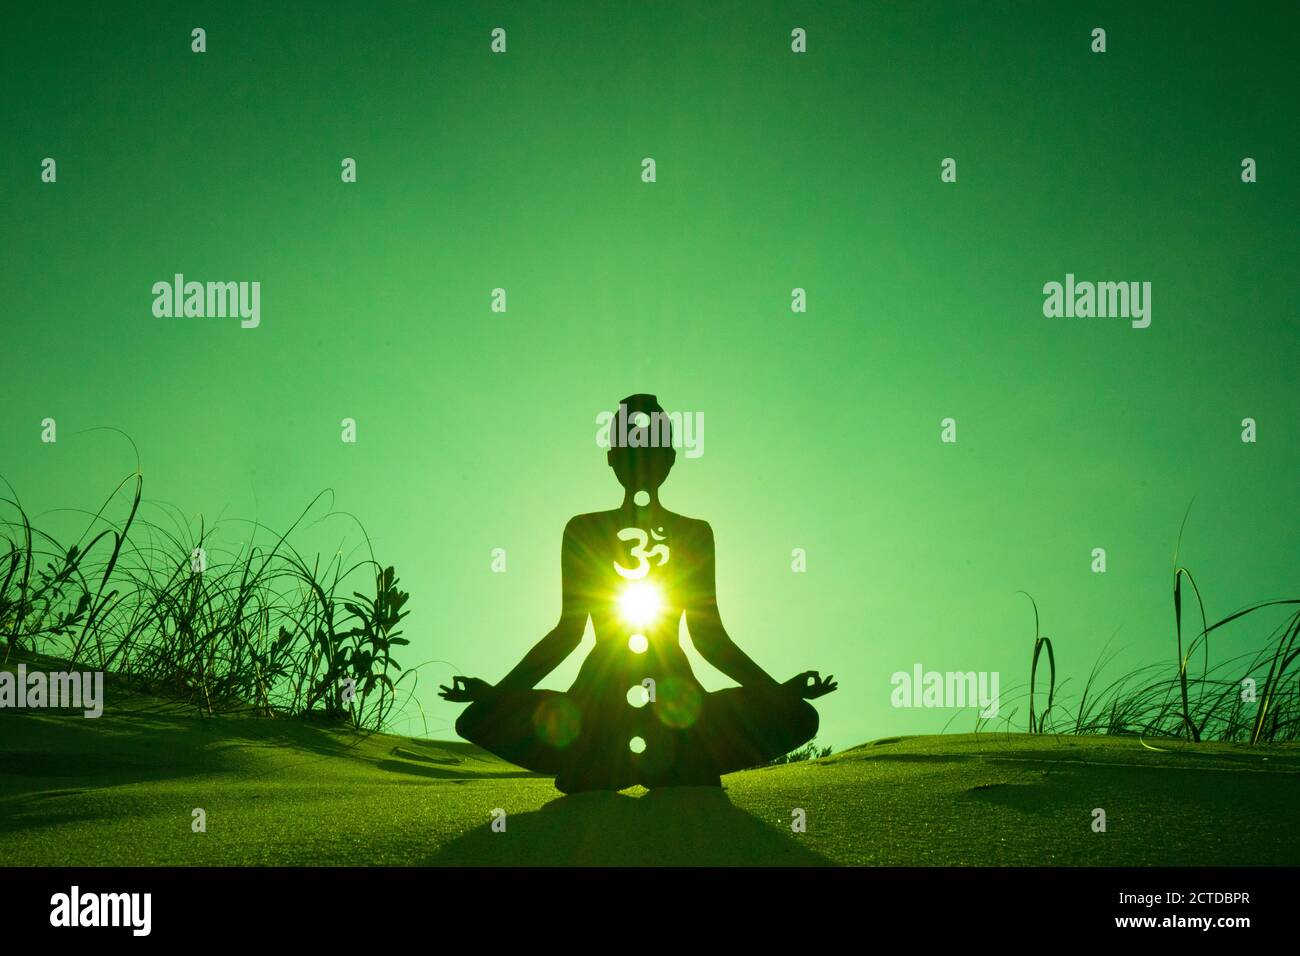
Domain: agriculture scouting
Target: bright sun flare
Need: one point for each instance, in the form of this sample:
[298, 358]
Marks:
[640, 603]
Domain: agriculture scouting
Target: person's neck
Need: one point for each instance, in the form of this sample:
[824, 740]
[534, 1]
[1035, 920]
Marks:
[629, 501]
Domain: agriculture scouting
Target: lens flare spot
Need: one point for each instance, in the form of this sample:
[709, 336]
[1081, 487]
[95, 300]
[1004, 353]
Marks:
[678, 703]
[557, 722]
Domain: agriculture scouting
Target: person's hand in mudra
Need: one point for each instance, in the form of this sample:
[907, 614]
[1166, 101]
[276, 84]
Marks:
[466, 690]
[810, 685]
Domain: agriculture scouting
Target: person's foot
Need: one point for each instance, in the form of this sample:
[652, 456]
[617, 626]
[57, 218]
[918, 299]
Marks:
[571, 783]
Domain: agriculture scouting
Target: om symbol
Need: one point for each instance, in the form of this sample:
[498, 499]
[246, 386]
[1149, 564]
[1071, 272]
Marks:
[639, 552]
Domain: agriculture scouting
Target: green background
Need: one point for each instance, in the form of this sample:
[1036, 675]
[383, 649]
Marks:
[775, 170]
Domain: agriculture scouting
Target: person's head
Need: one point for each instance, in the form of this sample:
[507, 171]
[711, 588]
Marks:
[640, 444]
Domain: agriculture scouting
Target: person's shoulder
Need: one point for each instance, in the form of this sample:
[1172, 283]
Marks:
[591, 519]
[693, 527]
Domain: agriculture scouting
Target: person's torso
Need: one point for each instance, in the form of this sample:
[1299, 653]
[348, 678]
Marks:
[636, 572]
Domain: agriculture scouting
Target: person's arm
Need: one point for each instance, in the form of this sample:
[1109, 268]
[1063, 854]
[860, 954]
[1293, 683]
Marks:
[563, 639]
[705, 624]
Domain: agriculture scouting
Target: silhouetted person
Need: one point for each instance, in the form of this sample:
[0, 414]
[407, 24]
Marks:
[634, 571]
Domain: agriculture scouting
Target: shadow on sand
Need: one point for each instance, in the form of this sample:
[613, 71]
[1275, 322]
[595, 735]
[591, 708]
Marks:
[676, 826]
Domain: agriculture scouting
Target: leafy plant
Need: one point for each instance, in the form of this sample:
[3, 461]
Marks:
[168, 610]
[809, 751]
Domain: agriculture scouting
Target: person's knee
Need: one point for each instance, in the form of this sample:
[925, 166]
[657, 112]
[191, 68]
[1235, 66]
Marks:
[806, 720]
[468, 723]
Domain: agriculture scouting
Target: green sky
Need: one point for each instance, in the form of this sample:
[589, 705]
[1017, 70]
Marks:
[476, 430]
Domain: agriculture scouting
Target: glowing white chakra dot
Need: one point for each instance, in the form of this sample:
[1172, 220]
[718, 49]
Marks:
[638, 643]
[642, 498]
[636, 745]
[638, 696]
[640, 603]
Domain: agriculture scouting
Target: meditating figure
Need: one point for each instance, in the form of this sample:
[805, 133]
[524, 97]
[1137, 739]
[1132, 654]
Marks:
[636, 713]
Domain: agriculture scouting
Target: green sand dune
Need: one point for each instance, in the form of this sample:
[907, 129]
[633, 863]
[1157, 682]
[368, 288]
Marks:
[121, 789]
